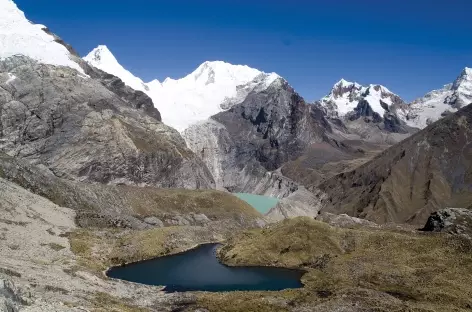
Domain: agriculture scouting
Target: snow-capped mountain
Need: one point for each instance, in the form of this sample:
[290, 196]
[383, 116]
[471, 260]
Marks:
[345, 96]
[213, 87]
[438, 103]
[19, 36]
[103, 59]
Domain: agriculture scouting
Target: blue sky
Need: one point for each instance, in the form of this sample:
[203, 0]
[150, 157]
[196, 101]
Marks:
[411, 47]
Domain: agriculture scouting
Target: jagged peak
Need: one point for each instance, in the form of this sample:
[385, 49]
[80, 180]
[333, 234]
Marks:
[101, 54]
[380, 88]
[102, 58]
[468, 71]
[344, 82]
[464, 81]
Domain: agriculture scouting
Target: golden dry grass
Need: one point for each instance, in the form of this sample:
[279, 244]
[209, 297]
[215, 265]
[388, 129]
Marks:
[384, 270]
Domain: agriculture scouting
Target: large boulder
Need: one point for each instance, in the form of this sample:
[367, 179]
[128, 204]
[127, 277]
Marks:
[452, 221]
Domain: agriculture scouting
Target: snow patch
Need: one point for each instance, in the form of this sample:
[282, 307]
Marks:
[18, 36]
[11, 77]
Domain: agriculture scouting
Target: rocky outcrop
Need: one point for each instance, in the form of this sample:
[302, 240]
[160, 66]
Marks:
[301, 203]
[91, 128]
[451, 220]
[405, 183]
[10, 297]
[344, 221]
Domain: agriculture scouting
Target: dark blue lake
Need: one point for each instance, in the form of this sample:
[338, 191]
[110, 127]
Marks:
[199, 270]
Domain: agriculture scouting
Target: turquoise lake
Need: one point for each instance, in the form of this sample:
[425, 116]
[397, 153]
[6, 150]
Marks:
[261, 203]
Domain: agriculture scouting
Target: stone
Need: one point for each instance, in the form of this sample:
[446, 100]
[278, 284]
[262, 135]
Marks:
[199, 218]
[10, 297]
[154, 221]
[344, 221]
[450, 220]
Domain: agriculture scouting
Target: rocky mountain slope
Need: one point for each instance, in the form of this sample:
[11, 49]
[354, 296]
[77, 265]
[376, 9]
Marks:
[245, 146]
[405, 183]
[83, 123]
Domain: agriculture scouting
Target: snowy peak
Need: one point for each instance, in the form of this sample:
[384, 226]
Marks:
[18, 36]
[346, 84]
[102, 54]
[223, 73]
[102, 58]
[345, 97]
[439, 103]
[463, 86]
[209, 89]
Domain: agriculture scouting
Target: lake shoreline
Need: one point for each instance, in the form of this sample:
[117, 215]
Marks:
[271, 272]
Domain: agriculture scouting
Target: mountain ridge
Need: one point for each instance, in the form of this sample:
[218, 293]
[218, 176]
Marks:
[211, 88]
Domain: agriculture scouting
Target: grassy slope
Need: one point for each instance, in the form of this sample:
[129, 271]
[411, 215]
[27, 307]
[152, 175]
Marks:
[379, 270]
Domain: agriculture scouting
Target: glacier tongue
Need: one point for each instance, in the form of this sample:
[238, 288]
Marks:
[213, 87]
[20, 36]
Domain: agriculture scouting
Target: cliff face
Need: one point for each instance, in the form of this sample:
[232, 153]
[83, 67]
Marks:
[90, 128]
[245, 145]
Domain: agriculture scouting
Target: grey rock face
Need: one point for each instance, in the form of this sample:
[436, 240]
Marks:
[273, 125]
[213, 143]
[451, 220]
[190, 219]
[91, 128]
[244, 146]
[364, 110]
[10, 297]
